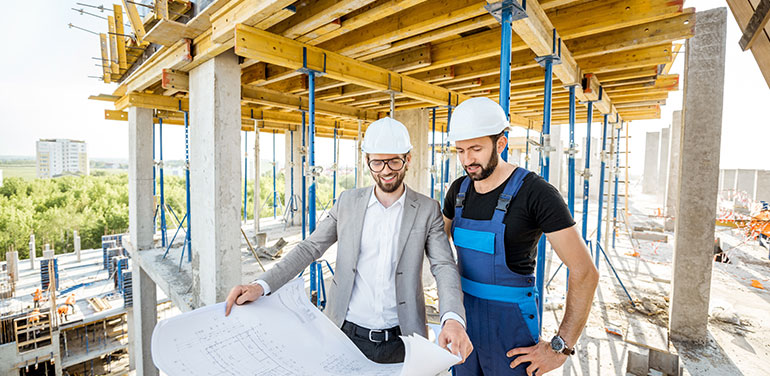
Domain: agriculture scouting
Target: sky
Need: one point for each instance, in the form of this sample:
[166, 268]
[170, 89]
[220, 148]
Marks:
[44, 89]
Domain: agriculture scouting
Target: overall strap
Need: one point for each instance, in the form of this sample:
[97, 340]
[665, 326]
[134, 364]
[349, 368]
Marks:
[509, 193]
[460, 199]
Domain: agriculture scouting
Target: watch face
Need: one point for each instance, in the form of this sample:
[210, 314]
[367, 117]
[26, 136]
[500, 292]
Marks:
[557, 344]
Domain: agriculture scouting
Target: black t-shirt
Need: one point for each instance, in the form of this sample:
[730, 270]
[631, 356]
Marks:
[537, 208]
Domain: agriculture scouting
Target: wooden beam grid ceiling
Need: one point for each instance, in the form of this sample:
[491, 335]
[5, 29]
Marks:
[429, 52]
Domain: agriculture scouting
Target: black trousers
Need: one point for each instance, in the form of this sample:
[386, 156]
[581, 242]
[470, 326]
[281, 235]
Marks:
[390, 351]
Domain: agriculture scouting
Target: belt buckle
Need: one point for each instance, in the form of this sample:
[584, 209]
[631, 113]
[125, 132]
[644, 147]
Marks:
[377, 331]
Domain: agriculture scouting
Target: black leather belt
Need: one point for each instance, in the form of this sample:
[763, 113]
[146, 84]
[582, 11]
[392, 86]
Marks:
[373, 335]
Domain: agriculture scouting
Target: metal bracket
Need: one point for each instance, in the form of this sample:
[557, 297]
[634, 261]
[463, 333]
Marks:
[546, 147]
[518, 11]
[555, 60]
[586, 173]
[572, 151]
[314, 171]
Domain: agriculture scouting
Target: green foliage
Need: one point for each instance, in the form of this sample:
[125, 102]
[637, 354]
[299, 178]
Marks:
[96, 205]
[53, 208]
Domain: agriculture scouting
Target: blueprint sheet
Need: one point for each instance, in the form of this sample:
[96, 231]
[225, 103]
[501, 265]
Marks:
[279, 335]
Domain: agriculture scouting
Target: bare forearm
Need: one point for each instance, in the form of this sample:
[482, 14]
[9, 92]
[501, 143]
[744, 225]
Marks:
[582, 285]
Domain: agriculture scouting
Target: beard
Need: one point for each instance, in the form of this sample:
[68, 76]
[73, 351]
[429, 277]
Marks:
[392, 186]
[485, 171]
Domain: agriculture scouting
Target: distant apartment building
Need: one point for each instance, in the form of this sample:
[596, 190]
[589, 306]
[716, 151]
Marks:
[57, 157]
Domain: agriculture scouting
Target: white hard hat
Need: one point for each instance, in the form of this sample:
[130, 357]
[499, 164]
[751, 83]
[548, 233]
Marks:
[386, 136]
[477, 117]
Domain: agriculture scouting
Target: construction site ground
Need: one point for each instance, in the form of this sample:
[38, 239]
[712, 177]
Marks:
[738, 322]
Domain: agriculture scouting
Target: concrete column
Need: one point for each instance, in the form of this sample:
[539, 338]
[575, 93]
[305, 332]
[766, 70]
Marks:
[745, 180]
[650, 177]
[12, 259]
[596, 164]
[699, 170]
[762, 186]
[556, 156]
[215, 115]
[418, 175]
[76, 240]
[143, 319]
[672, 178]
[295, 167]
[728, 179]
[49, 254]
[257, 202]
[32, 251]
[660, 186]
[141, 204]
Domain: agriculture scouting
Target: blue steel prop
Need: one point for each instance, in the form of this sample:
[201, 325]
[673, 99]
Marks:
[547, 62]
[445, 148]
[162, 207]
[275, 192]
[433, 157]
[570, 165]
[505, 12]
[615, 205]
[334, 172]
[316, 267]
[245, 172]
[304, 179]
[587, 171]
[187, 245]
[292, 204]
[601, 190]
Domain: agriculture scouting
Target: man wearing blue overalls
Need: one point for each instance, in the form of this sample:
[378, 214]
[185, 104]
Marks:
[495, 216]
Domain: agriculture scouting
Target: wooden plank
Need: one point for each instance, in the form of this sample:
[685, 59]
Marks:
[161, 9]
[325, 29]
[418, 19]
[116, 115]
[154, 101]
[135, 20]
[167, 32]
[175, 57]
[637, 36]
[316, 14]
[117, 11]
[434, 35]
[246, 12]
[743, 11]
[269, 97]
[756, 25]
[406, 60]
[371, 15]
[274, 49]
[254, 74]
[113, 41]
[175, 81]
[105, 58]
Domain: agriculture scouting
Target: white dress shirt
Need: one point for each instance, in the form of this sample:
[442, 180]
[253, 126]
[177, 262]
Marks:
[373, 302]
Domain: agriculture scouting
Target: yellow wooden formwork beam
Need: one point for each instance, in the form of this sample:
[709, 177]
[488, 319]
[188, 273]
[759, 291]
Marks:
[113, 41]
[117, 11]
[106, 77]
[175, 81]
[247, 12]
[269, 97]
[380, 11]
[264, 46]
[154, 101]
[135, 20]
[315, 15]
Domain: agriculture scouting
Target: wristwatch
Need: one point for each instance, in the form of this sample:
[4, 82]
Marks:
[558, 345]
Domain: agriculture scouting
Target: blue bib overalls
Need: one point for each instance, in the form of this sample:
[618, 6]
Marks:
[500, 305]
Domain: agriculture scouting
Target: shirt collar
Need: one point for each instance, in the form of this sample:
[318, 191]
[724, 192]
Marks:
[373, 199]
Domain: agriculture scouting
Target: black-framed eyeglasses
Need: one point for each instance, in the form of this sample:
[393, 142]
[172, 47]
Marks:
[394, 164]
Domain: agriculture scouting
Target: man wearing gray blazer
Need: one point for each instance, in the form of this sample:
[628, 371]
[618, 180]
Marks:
[383, 233]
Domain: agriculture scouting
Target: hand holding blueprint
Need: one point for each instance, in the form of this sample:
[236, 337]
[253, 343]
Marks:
[281, 334]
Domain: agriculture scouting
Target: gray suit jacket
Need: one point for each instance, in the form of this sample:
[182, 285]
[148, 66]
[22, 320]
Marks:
[422, 234]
